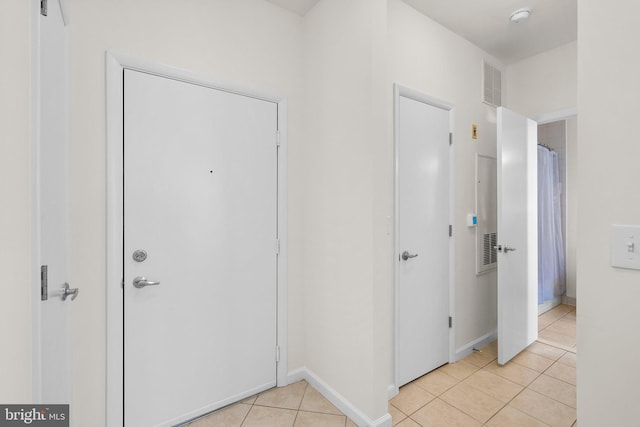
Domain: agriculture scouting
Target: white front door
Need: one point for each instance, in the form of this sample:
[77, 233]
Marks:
[53, 356]
[517, 234]
[200, 230]
[423, 241]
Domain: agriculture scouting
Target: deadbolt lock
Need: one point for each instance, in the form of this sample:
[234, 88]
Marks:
[139, 255]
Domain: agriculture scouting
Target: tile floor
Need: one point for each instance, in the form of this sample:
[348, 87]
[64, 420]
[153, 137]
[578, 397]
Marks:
[537, 388]
[296, 405]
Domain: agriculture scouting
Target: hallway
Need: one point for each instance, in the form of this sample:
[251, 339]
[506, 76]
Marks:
[537, 388]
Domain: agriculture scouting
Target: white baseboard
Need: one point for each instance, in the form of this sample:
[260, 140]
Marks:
[549, 304]
[569, 300]
[392, 391]
[467, 349]
[337, 399]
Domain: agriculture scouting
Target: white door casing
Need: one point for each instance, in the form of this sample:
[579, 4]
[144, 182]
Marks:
[52, 350]
[517, 234]
[116, 64]
[423, 217]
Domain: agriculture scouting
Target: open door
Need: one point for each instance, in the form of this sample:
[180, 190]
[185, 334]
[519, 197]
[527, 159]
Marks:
[52, 362]
[517, 234]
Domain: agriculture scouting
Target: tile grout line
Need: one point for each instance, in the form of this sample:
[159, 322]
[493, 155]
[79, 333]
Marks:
[306, 387]
[247, 414]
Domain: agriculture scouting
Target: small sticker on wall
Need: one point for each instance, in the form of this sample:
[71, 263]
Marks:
[474, 131]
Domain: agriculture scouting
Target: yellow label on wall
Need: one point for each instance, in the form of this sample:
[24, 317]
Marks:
[474, 131]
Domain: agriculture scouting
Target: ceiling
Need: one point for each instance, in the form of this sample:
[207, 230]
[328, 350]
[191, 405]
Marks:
[301, 7]
[486, 24]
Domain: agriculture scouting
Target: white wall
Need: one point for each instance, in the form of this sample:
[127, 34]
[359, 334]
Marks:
[342, 138]
[425, 56]
[251, 43]
[608, 177]
[15, 198]
[544, 83]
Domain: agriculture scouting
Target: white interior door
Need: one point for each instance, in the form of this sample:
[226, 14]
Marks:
[200, 199]
[54, 361]
[517, 234]
[423, 238]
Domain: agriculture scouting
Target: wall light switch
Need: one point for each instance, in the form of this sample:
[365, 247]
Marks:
[625, 246]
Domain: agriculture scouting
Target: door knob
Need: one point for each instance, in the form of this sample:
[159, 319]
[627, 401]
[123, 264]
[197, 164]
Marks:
[67, 291]
[406, 255]
[504, 249]
[141, 282]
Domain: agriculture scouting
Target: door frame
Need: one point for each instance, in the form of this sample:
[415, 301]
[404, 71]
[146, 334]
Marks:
[36, 362]
[115, 66]
[426, 99]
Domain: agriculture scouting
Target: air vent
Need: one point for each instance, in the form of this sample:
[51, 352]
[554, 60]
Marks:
[492, 85]
[489, 255]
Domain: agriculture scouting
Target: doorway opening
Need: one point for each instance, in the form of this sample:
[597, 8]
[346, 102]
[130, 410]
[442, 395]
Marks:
[557, 310]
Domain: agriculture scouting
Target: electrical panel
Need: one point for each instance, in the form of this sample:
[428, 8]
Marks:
[486, 213]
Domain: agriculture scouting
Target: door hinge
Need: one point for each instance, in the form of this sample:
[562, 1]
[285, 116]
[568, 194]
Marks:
[122, 284]
[44, 9]
[277, 246]
[450, 321]
[450, 230]
[44, 283]
[277, 138]
[277, 353]
[450, 138]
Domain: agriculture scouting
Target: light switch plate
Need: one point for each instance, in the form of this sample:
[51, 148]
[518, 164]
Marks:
[625, 246]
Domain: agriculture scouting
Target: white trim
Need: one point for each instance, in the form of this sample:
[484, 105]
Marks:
[64, 9]
[549, 304]
[467, 349]
[339, 401]
[115, 64]
[555, 116]
[392, 391]
[36, 350]
[283, 236]
[420, 97]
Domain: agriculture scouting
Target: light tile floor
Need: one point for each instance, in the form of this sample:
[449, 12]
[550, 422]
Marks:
[537, 388]
[296, 405]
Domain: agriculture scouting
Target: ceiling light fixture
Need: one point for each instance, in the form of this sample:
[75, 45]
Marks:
[520, 15]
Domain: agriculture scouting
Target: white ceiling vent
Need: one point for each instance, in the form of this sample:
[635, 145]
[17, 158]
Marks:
[492, 85]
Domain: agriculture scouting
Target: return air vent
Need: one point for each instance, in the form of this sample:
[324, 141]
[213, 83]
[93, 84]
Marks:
[492, 85]
[490, 255]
